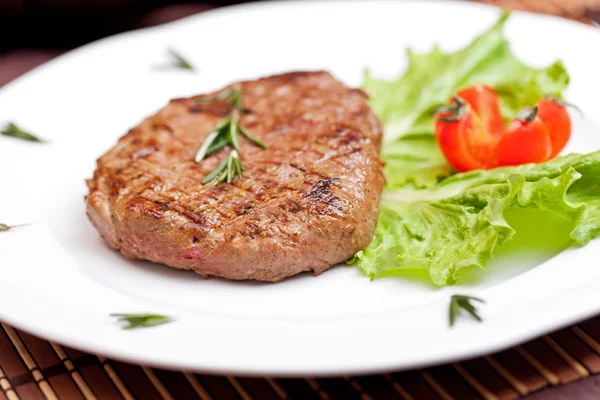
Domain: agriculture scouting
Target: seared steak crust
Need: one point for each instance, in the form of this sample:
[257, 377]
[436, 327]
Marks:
[307, 202]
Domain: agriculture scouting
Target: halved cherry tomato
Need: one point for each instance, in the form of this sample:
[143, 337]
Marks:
[469, 128]
[526, 140]
[554, 115]
[472, 135]
[484, 102]
[454, 135]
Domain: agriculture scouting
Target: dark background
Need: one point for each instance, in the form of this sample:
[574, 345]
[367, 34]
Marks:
[34, 31]
[69, 23]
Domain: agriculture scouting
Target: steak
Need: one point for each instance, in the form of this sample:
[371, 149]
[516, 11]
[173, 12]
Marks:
[306, 202]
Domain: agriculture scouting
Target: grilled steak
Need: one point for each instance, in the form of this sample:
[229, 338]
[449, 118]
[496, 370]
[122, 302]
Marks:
[308, 201]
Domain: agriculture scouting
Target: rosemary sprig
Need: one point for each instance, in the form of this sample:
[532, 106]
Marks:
[12, 130]
[6, 228]
[458, 303]
[226, 133]
[176, 60]
[141, 320]
[227, 170]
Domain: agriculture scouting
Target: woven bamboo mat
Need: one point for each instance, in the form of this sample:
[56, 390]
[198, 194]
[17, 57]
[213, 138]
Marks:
[31, 368]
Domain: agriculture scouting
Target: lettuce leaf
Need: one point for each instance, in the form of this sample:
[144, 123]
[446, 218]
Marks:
[460, 222]
[406, 104]
[415, 161]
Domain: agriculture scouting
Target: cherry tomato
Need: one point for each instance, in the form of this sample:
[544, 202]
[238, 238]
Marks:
[469, 128]
[554, 115]
[484, 102]
[527, 140]
[452, 138]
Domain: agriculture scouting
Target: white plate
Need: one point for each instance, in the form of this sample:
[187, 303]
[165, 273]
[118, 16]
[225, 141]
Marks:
[59, 280]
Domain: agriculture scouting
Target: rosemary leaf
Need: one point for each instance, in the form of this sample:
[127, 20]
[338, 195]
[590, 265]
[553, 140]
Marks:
[217, 145]
[233, 131]
[203, 150]
[180, 62]
[6, 228]
[227, 170]
[215, 141]
[141, 320]
[221, 178]
[458, 303]
[223, 95]
[236, 102]
[252, 138]
[13, 130]
[176, 61]
[230, 169]
[220, 168]
[239, 168]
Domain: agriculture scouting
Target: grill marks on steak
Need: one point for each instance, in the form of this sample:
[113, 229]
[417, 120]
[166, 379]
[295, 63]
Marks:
[309, 201]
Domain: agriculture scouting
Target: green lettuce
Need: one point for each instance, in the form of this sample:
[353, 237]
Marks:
[442, 223]
[461, 222]
[406, 105]
[417, 162]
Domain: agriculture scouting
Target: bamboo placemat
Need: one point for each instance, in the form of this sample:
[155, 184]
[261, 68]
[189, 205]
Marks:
[31, 368]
